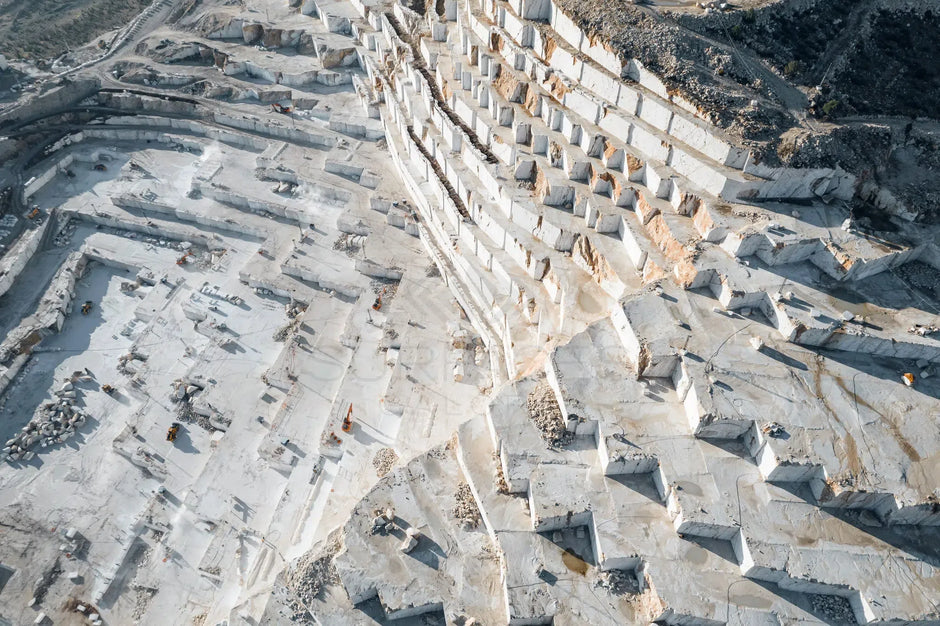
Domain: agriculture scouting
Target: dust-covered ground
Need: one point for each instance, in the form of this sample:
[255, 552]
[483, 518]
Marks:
[42, 29]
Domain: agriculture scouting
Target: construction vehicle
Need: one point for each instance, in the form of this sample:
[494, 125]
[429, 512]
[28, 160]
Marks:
[86, 308]
[173, 431]
[278, 108]
[347, 421]
[101, 167]
[182, 259]
[108, 389]
[33, 213]
[378, 301]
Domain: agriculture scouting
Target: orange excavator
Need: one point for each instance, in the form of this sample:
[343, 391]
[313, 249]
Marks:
[279, 108]
[378, 301]
[347, 421]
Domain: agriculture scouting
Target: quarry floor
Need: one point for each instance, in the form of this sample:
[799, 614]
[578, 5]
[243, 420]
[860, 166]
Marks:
[198, 529]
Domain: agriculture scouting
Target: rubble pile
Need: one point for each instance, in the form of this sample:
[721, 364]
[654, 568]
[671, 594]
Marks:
[184, 394]
[921, 276]
[836, 609]
[294, 311]
[922, 330]
[384, 460]
[85, 609]
[619, 582]
[126, 363]
[546, 415]
[142, 600]
[64, 236]
[466, 509]
[47, 579]
[285, 331]
[53, 422]
[186, 414]
[348, 243]
[312, 573]
[383, 521]
[284, 187]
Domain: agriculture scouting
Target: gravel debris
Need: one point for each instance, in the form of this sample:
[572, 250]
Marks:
[834, 608]
[920, 275]
[47, 579]
[501, 485]
[142, 598]
[546, 415]
[465, 508]
[384, 460]
[350, 244]
[312, 573]
[618, 582]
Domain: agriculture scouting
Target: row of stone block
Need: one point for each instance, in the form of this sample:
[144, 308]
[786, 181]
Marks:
[563, 193]
[595, 74]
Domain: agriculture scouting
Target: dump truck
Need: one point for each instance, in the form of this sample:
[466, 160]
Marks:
[86, 308]
[173, 431]
[108, 389]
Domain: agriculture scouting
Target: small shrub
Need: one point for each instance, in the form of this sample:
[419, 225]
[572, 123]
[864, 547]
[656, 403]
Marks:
[829, 107]
[791, 69]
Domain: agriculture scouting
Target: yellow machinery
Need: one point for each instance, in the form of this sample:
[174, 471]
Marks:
[173, 431]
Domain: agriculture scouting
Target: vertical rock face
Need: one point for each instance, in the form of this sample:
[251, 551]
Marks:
[53, 100]
[252, 33]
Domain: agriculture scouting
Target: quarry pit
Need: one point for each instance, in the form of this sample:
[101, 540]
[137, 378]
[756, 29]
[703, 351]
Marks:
[470, 312]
